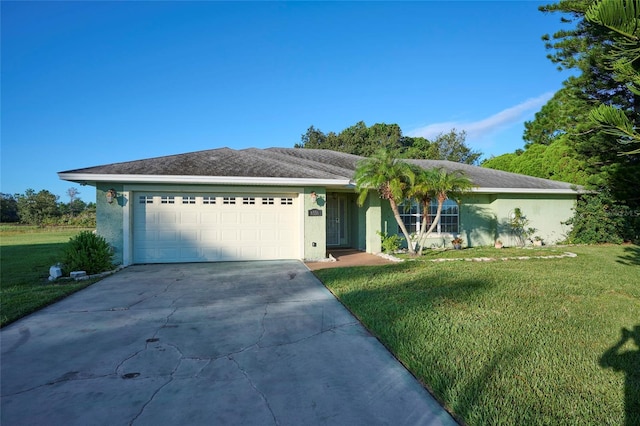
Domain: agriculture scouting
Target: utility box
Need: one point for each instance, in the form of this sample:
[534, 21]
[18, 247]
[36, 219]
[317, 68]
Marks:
[55, 272]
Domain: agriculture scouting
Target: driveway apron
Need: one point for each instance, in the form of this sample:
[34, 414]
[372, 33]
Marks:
[242, 343]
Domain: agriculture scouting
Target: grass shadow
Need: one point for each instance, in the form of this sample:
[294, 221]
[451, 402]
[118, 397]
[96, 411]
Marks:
[390, 313]
[631, 256]
[504, 342]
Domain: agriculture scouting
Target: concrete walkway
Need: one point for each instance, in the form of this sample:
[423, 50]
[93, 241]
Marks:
[251, 343]
[349, 257]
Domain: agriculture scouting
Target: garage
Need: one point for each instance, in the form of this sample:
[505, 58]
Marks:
[205, 227]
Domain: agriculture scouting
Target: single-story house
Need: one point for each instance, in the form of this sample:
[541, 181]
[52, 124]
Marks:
[292, 203]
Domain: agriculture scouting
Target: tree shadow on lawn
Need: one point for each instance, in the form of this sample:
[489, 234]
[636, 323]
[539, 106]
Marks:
[631, 257]
[627, 361]
[386, 310]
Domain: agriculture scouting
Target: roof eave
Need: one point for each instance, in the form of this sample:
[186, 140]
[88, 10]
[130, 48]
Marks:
[560, 191]
[92, 178]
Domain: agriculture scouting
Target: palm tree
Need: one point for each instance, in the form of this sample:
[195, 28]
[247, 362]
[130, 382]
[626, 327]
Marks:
[438, 184]
[389, 176]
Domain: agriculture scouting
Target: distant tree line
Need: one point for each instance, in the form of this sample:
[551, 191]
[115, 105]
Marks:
[367, 141]
[44, 209]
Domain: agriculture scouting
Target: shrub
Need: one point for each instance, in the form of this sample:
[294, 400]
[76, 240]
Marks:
[390, 243]
[599, 218]
[88, 252]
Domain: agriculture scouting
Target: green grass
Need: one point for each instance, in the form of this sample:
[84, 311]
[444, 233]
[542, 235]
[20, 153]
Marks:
[515, 342]
[486, 252]
[26, 253]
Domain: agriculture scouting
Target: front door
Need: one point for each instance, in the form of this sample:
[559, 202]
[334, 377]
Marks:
[336, 220]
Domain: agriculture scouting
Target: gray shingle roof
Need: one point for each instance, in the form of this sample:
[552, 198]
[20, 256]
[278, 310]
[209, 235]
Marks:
[490, 178]
[294, 163]
[252, 162]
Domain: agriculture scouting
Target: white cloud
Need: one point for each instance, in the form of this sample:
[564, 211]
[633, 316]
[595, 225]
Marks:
[481, 128]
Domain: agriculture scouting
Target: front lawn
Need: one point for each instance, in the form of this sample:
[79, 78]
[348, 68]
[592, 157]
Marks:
[511, 342]
[26, 253]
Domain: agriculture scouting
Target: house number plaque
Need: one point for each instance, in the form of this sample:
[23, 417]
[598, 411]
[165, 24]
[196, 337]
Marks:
[315, 212]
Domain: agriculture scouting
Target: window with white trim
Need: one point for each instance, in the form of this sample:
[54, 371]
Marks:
[188, 200]
[267, 200]
[248, 200]
[449, 217]
[228, 200]
[411, 215]
[208, 200]
[167, 199]
[146, 199]
[286, 200]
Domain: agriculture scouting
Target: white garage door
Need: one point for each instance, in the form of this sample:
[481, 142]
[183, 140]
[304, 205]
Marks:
[173, 227]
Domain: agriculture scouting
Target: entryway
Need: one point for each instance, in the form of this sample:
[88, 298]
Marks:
[337, 220]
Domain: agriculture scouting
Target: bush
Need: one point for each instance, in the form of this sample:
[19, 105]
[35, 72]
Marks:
[599, 219]
[88, 252]
[390, 243]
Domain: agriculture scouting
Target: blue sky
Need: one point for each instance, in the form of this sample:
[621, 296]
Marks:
[89, 83]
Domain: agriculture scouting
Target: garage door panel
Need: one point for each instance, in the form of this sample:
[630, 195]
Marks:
[211, 228]
[152, 219]
[167, 218]
[208, 236]
[190, 236]
[189, 253]
[189, 218]
[166, 236]
[249, 218]
[229, 218]
[229, 236]
[268, 219]
[269, 235]
[166, 253]
[209, 218]
[250, 235]
[212, 253]
[249, 252]
[148, 237]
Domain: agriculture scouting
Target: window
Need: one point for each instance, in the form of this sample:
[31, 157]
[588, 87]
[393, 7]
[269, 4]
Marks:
[267, 200]
[146, 199]
[248, 200]
[448, 224]
[188, 200]
[228, 200]
[286, 200]
[167, 199]
[208, 200]
[411, 216]
[448, 218]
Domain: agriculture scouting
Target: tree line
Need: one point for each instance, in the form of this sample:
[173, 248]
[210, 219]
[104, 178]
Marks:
[587, 133]
[365, 141]
[43, 208]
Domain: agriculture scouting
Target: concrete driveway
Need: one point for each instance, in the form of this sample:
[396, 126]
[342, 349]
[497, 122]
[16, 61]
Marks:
[250, 343]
